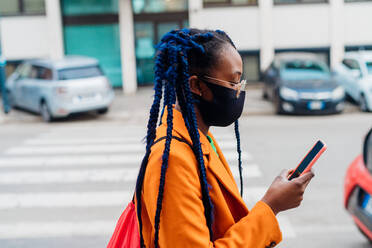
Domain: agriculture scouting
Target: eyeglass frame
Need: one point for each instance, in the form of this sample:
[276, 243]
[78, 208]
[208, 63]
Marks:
[239, 87]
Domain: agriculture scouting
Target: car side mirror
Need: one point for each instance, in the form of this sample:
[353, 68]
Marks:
[356, 73]
[367, 150]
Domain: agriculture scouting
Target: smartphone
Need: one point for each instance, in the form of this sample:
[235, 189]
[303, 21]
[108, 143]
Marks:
[309, 160]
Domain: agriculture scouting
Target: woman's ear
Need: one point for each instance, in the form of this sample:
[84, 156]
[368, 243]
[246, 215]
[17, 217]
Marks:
[195, 85]
[198, 87]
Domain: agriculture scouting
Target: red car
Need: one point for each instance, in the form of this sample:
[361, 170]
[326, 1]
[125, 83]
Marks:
[358, 189]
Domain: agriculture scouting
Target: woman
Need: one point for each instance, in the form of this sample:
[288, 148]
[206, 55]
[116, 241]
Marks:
[186, 195]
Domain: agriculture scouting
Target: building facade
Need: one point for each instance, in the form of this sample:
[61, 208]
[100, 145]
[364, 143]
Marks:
[122, 33]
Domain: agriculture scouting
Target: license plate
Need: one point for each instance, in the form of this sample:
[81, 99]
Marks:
[315, 105]
[367, 204]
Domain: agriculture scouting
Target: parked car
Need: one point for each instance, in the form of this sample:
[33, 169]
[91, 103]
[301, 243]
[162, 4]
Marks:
[358, 189]
[355, 73]
[58, 88]
[302, 83]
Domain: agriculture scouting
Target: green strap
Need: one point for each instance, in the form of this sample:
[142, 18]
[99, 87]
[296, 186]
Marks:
[212, 144]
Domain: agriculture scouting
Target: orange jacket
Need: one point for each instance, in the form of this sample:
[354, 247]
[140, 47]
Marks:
[182, 221]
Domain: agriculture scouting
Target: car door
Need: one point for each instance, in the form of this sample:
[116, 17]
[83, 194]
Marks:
[352, 75]
[271, 75]
[20, 85]
[37, 86]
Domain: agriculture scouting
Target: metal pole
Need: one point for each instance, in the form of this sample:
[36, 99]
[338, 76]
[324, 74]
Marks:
[6, 106]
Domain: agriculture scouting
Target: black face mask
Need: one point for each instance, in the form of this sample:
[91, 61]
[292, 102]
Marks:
[224, 109]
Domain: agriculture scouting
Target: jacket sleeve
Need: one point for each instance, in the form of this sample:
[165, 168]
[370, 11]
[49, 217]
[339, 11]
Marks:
[183, 223]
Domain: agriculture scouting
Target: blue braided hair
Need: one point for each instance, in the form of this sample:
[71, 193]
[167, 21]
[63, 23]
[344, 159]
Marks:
[180, 54]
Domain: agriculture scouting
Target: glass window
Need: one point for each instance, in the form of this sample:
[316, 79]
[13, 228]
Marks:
[299, 1]
[369, 153]
[9, 7]
[158, 6]
[369, 67]
[251, 71]
[24, 70]
[39, 72]
[19, 7]
[34, 6]
[353, 1]
[228, 2]
[76, 73]
[304, 69]
[351, 64]
[89, 7]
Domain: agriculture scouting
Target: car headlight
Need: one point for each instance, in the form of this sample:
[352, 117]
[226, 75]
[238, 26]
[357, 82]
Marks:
[288, 93]
[338, 93]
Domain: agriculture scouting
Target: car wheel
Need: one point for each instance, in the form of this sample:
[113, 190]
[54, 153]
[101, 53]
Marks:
[278, 105]
[364, 234]
[102, 111]
[265, 96]
[10, 98]
[45, 112]
[363, 103]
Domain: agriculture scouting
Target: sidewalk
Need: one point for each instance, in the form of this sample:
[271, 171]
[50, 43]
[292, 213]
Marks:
[139, 104]
[135, 108]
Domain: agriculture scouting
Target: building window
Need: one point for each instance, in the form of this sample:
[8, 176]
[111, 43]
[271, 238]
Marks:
[323, 53]
[354, 1]
[216, 3]
[251, 66]
[159, 6]
[298, 1]
[22, 7]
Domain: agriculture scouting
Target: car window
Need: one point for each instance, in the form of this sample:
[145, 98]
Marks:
[42, 73]
[368, 152]
[351, 64]
[369, 67]
[304, 69]
[24, 70]
[80, 72]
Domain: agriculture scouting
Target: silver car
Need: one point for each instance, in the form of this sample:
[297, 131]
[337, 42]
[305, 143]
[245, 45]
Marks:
[58, 88]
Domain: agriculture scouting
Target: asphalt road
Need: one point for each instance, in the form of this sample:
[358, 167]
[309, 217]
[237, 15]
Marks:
[65, 184]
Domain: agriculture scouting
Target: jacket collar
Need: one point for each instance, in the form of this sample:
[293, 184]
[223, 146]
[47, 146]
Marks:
[221, 169]
[180, 128]
[217, 164]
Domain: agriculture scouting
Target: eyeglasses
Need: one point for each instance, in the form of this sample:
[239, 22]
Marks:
[239, 87]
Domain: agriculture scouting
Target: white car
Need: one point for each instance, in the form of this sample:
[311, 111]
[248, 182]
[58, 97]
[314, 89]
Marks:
[58, 88]
[355, 75]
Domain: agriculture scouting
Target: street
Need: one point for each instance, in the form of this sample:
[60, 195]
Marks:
[65, 184]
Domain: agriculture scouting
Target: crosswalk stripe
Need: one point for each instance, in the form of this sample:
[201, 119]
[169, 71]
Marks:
[129, 144]
[92, 175]
[83, 141]
[65, 199]
[70, 176]
[88, 228]
[71, 160]
[233, 156]
[249, 171]
[56, 229]
[84, 160]
[75, 149]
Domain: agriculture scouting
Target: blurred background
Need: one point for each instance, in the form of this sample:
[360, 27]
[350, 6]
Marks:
[76, 80]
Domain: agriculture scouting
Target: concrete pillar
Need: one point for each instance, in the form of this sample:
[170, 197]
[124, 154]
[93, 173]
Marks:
[195, 20]
[127, 47]
[337, 28]
[54, 20]
[267, 51]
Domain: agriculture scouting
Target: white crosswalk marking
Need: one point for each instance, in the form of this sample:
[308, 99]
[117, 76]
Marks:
[56, 229]
[83, 168]
[75, 149]
[64, 199]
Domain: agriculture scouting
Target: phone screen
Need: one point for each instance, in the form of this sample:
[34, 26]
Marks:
[307, 160]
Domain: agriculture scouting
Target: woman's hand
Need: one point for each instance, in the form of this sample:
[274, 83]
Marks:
[283, 194]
